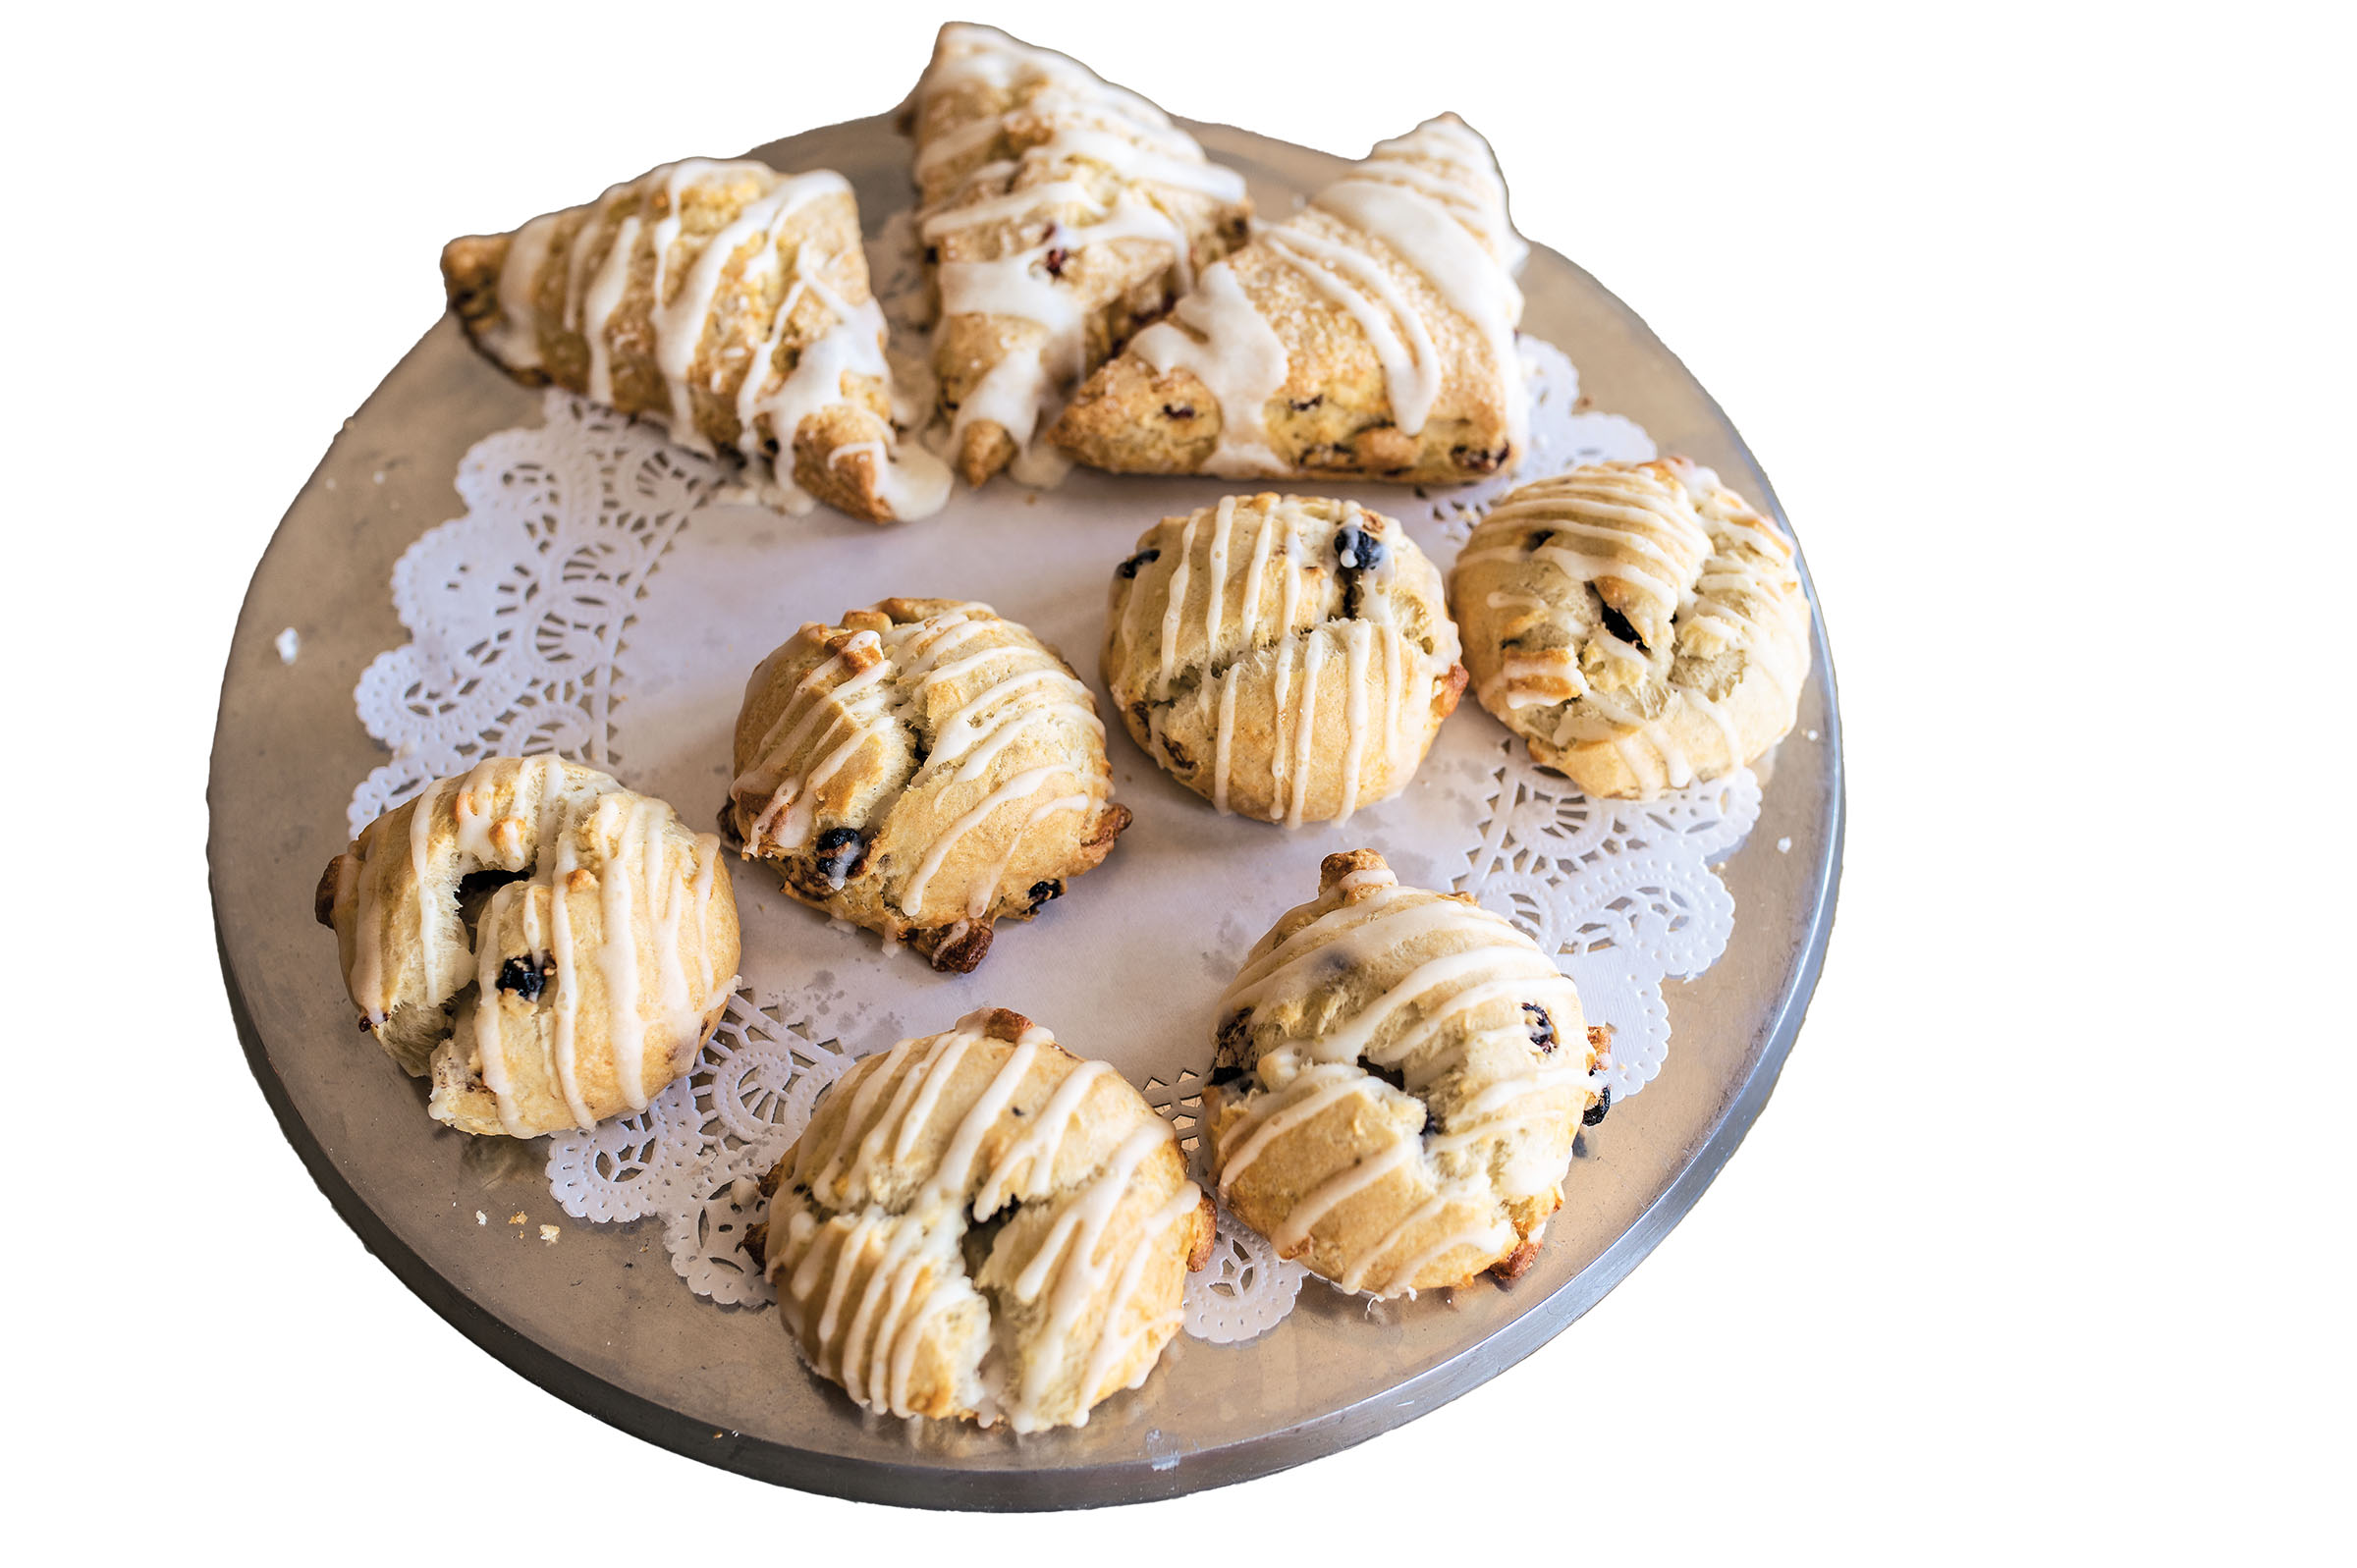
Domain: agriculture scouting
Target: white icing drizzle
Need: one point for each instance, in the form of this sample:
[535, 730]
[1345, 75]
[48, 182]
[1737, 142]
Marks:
[1293, 1234]
[605, 292]
[1021, 786]
[834, 712]
[1239, 359]
[986, 889]
[636, 853]
[1371, 643]
[1072, 1264]
[1451, 227]
[1175, 607]
[689, 275]
[564, 990]
[1363, 920]
[1305, 721]
[515, 338]
[1490, 1238]
[1069, 1257]
[1395, 327]
[1689, 564]
[430, 919]
[1095, 123]
[1468, 277]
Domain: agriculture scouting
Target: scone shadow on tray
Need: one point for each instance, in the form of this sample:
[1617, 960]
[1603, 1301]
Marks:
[596, 1314]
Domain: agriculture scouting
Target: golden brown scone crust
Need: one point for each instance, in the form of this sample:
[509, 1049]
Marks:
[979, 1224]
[1269, 674]
[1058, 213]
[791, 286]
[1400, 1077]
[1323, 302]
[925, 770]
[511, 997]
[1639, 624]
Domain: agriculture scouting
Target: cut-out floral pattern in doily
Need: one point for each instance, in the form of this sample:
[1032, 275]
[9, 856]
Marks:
[1245, 1290]
[1619, 893]
[516, 609]
[695, 1155]
[518, 614]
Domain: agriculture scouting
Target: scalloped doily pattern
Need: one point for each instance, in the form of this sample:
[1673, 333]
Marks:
[517, 611]
[1621, 893]
[518, 614]
[694, 1156]
[1246, 1288]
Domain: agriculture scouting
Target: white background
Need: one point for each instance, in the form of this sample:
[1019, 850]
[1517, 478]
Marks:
[2038, 316]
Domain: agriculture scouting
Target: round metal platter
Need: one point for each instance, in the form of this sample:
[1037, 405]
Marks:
[603, 1322]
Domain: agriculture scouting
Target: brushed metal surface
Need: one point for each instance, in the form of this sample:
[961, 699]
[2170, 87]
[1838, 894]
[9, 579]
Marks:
[601, 1321]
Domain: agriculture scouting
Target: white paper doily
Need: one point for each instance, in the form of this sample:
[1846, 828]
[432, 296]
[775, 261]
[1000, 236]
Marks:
[601, 600]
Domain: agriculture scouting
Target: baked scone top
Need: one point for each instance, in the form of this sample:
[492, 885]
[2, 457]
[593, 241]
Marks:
[923, 768]
[1287, 657]
[596, 962]
[1058, 211]
[726, 301]
[1399, 1076]
[980, 1224]
[1371, 333]
[1641, 625]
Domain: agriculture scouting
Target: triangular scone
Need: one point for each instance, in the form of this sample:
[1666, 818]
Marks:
[725, 302]
[1057, 212]
[1370, 334]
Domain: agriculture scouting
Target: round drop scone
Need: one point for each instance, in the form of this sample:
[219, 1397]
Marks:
[979, 1224]
[1286, 657]
[548, 947]
[1399, 1079]
[1639, 624]
[924, 769]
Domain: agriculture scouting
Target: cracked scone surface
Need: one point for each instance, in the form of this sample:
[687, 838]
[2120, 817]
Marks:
[549, 947]
[725, 302]
[1057, 212]
[1371, 334]
[1399, 1080]
[978, 1224]
[1287, 657]
[1639, 624]
[924, 769]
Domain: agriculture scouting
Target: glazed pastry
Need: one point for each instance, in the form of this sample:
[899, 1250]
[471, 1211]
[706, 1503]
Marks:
[923, 770]
[1399, 1079]
[979, 1224]
[1281, 656]
[1637, 622]
[1057, 212]
[727, 303]
[548, 947]
[1370, 334]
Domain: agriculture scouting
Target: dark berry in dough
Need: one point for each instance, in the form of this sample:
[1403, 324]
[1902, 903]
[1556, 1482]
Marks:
[1620, 626]
[1595, 1113]
[526, 976]
[1542, 1028]
[841, 854]
[1357, 550]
